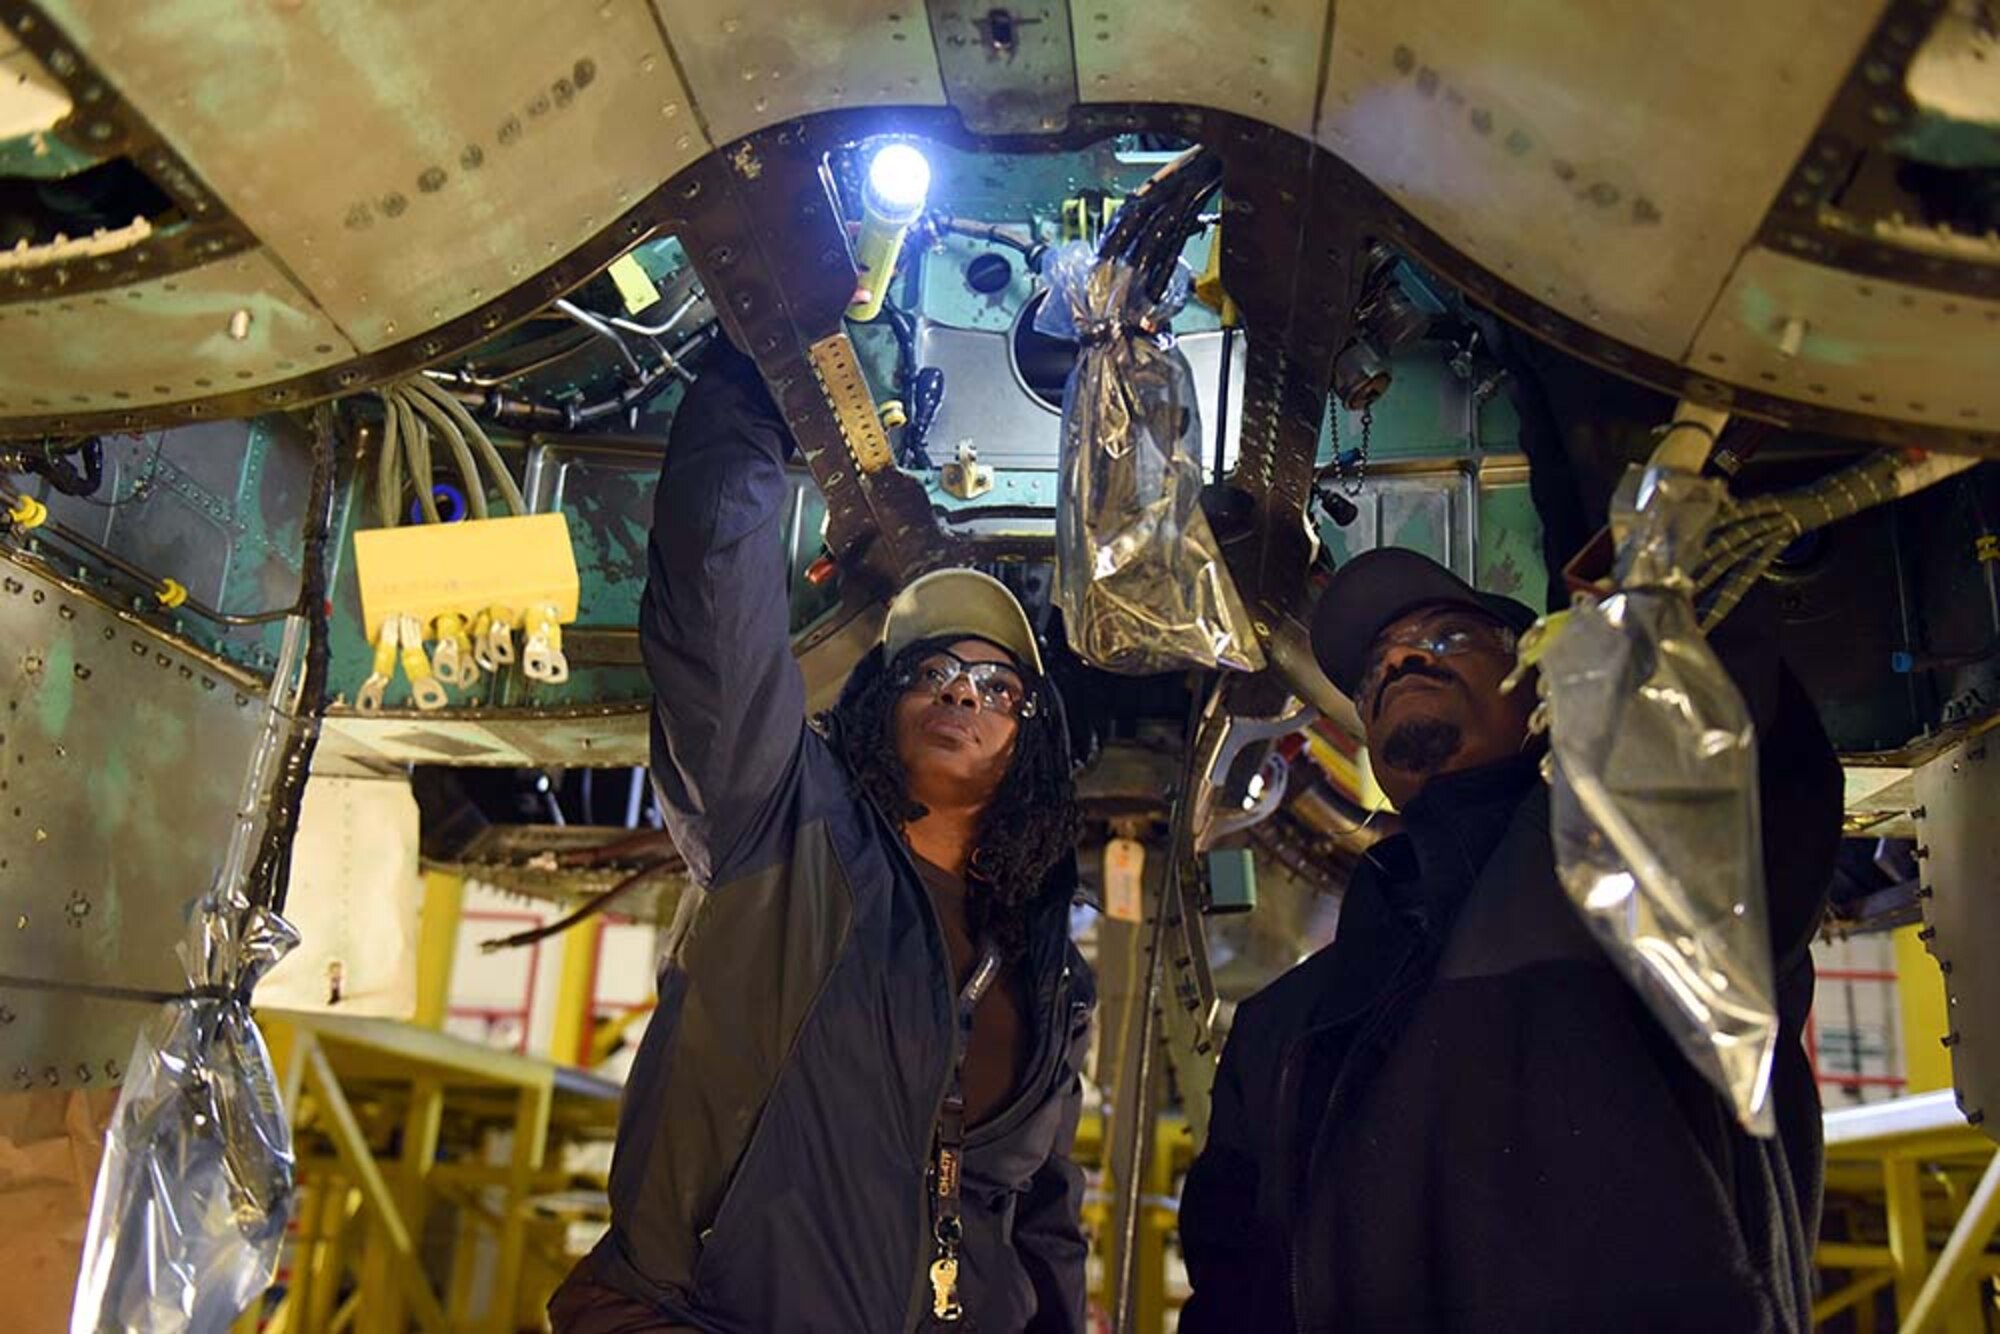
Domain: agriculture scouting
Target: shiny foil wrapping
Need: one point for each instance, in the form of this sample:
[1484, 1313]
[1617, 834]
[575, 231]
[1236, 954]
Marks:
[1140, 581]
[196, 1185]
[1654, 810]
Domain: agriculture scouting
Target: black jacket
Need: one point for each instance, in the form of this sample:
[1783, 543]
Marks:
[770, 1172]
[1459, 1116]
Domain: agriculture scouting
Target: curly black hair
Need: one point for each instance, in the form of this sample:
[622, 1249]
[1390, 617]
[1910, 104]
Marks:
[1028, 830]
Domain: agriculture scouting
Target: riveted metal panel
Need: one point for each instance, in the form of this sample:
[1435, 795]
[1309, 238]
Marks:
[1007, 70]
[1259, 59]
[121, 758]
[163, 340]
[498, 137]
[1958, 833]
[750, 63]
[1854, 342]
[1611, 161]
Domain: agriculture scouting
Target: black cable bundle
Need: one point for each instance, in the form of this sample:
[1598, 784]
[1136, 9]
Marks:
[271, 873]
[1153, 226]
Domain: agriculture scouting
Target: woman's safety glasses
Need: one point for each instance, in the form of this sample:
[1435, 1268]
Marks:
[998, 685]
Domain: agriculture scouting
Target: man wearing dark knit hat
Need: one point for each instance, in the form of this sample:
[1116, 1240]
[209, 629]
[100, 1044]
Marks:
[1458, 1115]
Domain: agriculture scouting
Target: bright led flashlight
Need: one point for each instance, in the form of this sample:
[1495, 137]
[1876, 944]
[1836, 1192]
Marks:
[899, 181]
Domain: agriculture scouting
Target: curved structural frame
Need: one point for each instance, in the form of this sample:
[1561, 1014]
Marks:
[1657, 194]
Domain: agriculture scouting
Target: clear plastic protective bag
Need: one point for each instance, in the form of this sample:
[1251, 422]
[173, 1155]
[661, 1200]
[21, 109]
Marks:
[1654, 802]
[1141, 580]
[195, 1190]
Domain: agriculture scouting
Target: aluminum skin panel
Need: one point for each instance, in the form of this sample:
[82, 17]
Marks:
[1853, 342]
[1958, 838]
[1259, 59]
[164, 340]
[121, 757]
[749, 65]
[498, 137]
[1611, 161]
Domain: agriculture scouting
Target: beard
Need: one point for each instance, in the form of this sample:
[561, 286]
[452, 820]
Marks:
[1422, 745]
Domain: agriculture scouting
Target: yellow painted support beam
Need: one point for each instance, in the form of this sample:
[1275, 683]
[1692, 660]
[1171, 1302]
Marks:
[1851, 1255]
[1904, 1200]
[385, 1312]
[1920, 1004]
[1959, 1264]
[345, 1131]
[531, 1135]
[437, 946]
[569, 1041]
[1854, 1294]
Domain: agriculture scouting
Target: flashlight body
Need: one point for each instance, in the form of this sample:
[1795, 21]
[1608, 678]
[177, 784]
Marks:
[875, 251]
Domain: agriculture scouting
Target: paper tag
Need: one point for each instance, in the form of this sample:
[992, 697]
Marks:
[1124, 874]
[633, 285]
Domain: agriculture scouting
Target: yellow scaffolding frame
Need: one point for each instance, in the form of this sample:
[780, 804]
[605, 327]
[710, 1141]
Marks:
[1887, 1146]
[327, 1065]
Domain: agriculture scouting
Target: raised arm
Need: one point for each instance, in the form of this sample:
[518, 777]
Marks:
[728, 704]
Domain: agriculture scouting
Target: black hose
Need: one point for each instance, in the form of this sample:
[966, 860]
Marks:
[270, 875]
[63, 475]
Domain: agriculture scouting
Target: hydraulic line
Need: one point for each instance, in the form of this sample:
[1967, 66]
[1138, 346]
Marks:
[152, 583]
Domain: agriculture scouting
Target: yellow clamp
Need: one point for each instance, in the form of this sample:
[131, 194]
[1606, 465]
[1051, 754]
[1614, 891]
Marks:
[1533, 643]
[171, 593]
[425, 691]
[27, 512]
[1987, 546]
[369, 699]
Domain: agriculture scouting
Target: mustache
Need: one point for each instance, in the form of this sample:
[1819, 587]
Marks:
[1412, 668]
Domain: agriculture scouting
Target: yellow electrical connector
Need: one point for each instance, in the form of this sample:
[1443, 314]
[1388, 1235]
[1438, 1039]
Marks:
[171, 593]
[427, 570]
[27, 512]
[425, 692]
[1208, 287]
[369, 700]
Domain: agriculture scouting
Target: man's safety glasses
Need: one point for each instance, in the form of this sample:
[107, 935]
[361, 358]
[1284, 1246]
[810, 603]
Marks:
[998, 685]
[1445, 635]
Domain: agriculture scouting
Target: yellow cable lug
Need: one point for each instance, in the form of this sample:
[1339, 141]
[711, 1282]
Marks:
[369, 698]
[502, 638]
[425, 692]
[482, 640]
[541, 652]
[453, 660]
[27, 512]
[171, 593]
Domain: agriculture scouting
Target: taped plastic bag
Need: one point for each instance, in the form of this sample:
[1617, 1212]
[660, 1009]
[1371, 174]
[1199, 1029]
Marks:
[1654, 803]
[1141, 581]
[195, 1189]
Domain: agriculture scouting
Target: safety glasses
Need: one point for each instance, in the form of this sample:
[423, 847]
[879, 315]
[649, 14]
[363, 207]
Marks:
[998, 685]
[1445, 635]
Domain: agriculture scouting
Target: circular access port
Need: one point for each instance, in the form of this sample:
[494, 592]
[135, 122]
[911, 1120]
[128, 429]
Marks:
[1041, 364]
[989, 273]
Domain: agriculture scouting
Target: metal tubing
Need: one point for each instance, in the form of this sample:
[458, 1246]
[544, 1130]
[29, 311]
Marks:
[1133, 1127]
[1959, 1264]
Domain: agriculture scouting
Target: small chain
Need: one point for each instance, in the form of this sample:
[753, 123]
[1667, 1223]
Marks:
[1353, 488]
